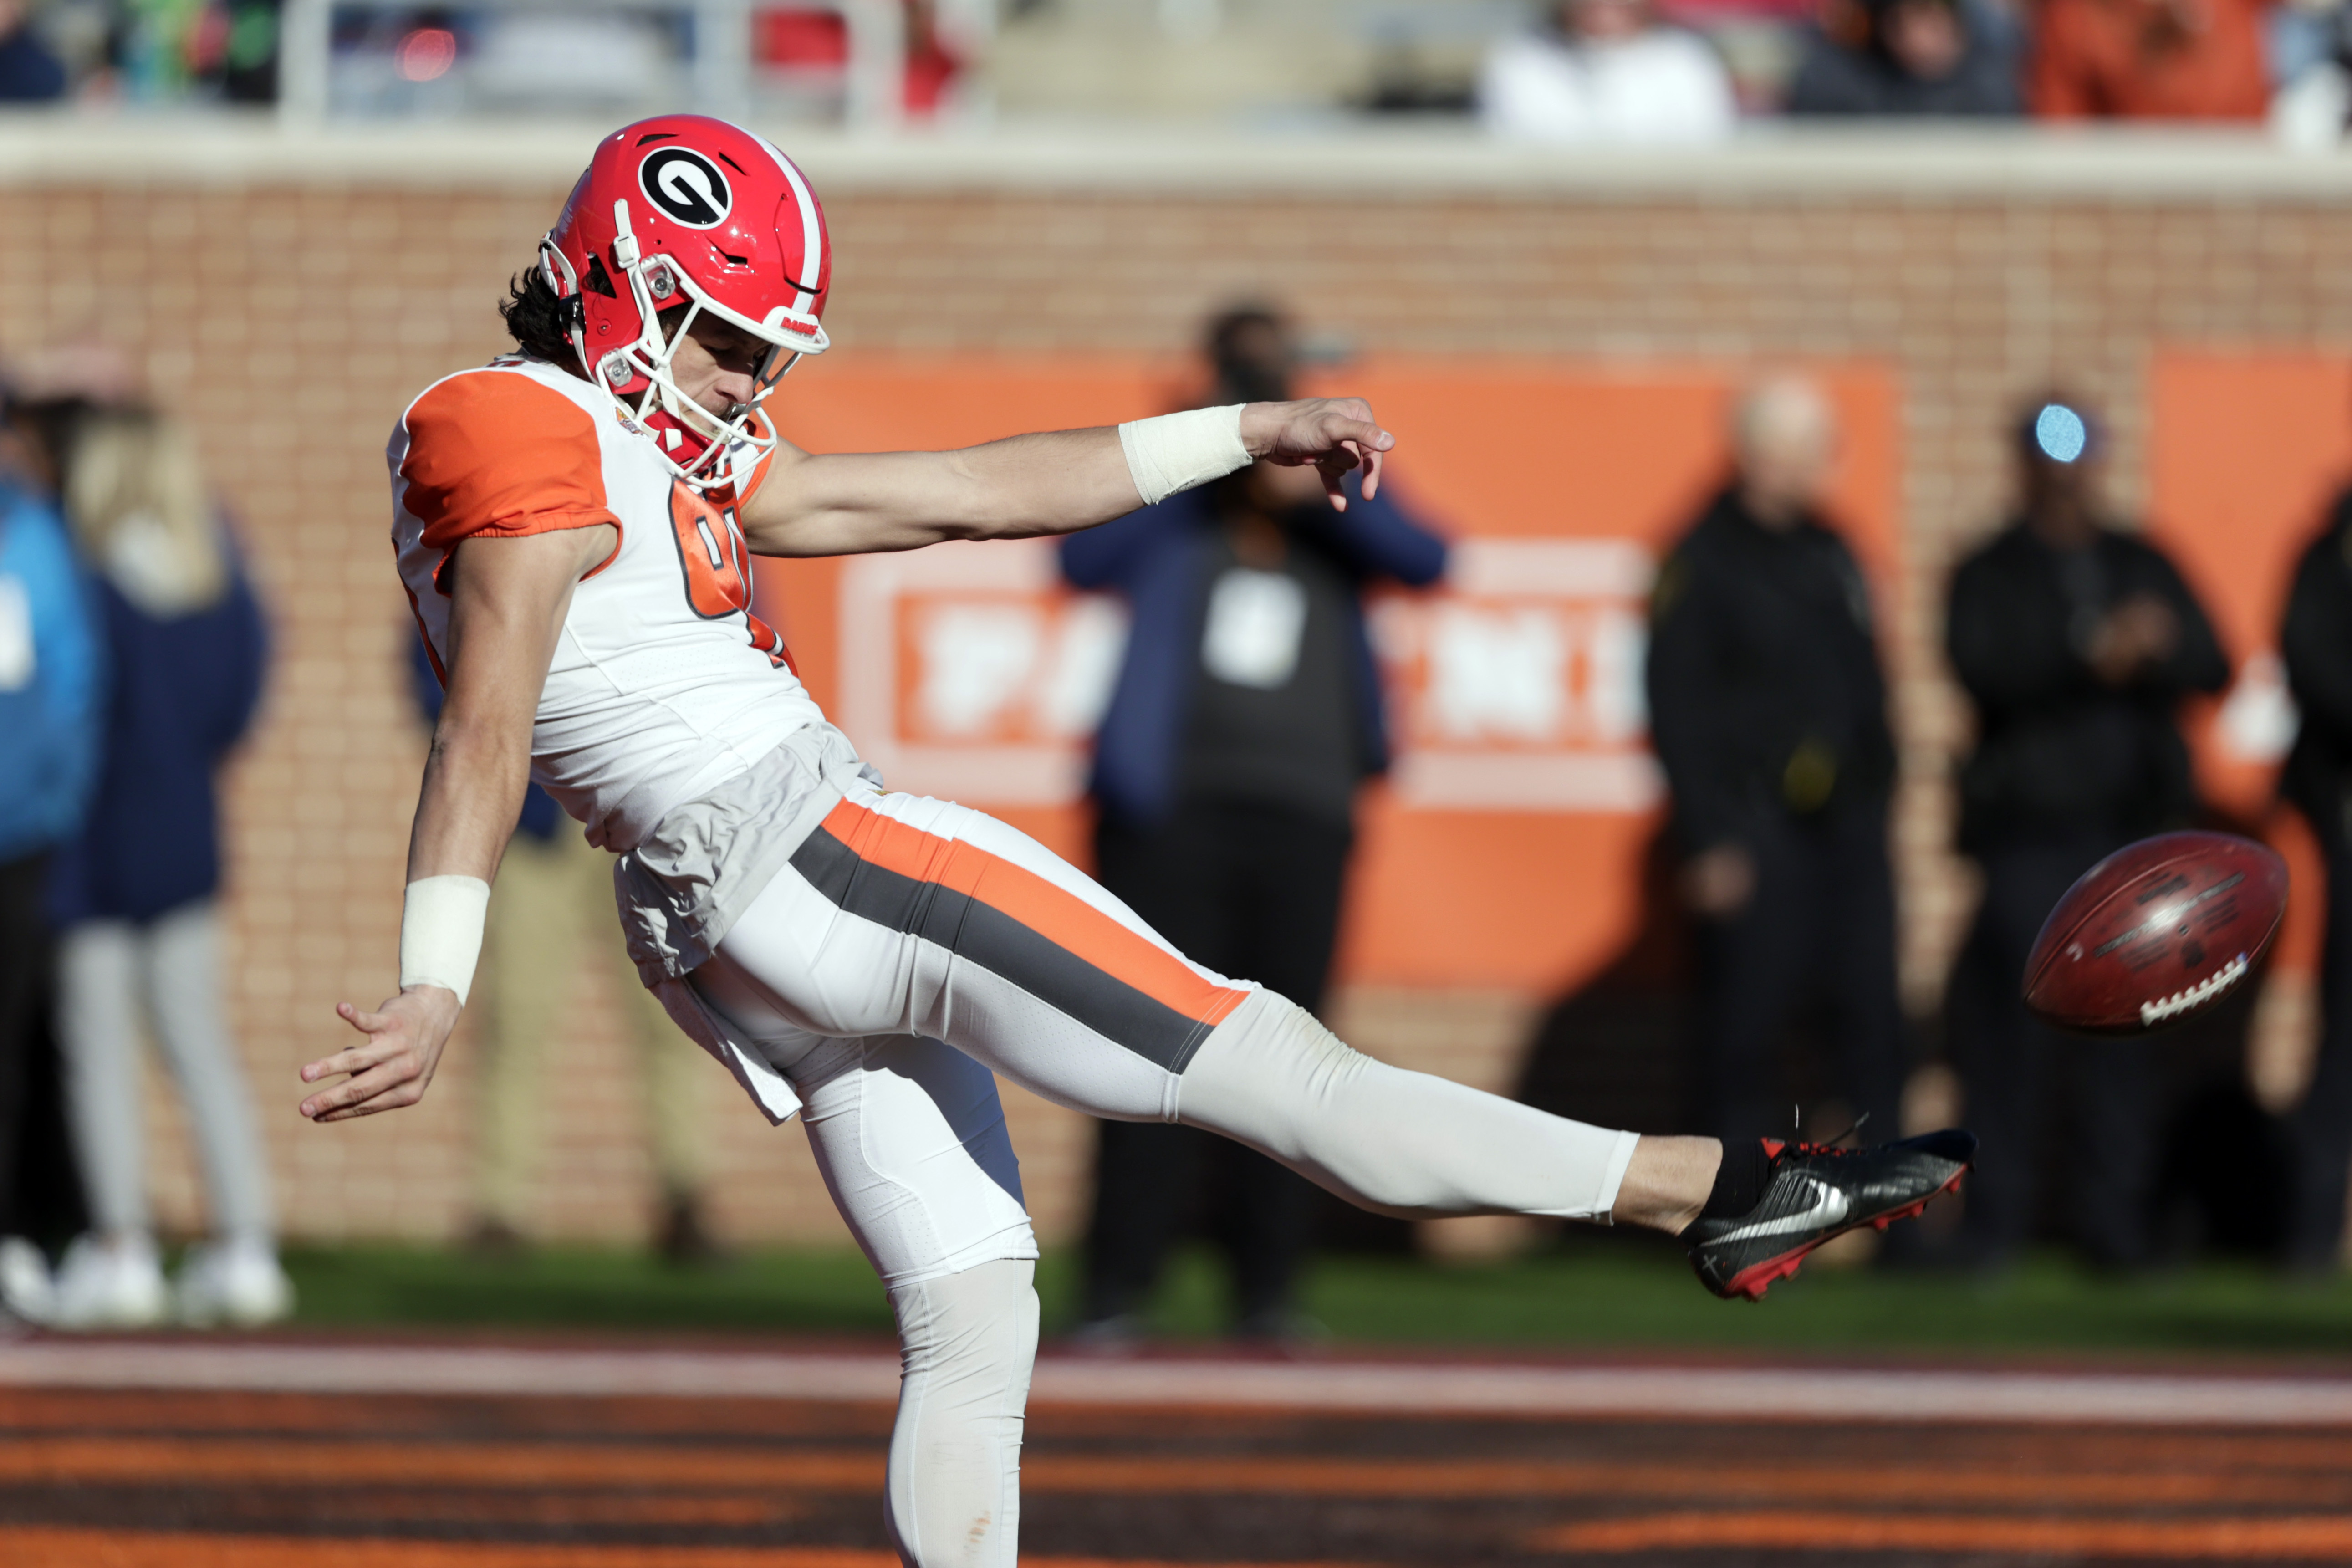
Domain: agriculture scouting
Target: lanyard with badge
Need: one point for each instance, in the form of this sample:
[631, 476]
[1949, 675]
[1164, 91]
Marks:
[1256, 621]
[16, 626]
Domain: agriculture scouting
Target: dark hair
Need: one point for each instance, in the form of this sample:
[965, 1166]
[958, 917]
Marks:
[1242, 377]
[538, 321]
[48, 426]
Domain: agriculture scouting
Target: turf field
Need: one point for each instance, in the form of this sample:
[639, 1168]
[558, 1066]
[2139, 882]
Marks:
[633, 1454]
[584, 1409]
[1614, 1293]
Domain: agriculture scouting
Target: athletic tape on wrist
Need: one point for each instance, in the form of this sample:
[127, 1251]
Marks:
[441, 931]
[1177, 451]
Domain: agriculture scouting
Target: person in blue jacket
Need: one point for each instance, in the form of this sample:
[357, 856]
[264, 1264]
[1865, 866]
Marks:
[1245, 716]
[52, 679]
[136, 891]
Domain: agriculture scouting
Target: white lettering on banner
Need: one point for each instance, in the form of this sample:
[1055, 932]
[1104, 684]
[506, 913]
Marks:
[1520, 688]
[967, 671]
[1082, 665]
[1497, 672]
[977, 661]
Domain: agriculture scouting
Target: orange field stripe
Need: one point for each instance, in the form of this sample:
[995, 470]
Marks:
[95, 1413]
[713, 1468]
[2326, 1536]
[44, 1548]
[1059, 916]
[1479, 1479]
[468, 1509]
[39, 1547]
[162, 1461]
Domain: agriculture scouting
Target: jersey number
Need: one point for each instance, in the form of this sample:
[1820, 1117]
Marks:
[718, 568]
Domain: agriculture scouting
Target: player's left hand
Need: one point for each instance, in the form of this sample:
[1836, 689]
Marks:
[1331, 434]
[391, 1069]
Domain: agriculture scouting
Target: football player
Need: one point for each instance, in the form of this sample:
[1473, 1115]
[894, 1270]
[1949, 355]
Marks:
[574, 524]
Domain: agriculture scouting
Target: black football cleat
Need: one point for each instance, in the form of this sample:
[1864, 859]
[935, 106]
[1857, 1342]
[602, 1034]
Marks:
[1816, 1194]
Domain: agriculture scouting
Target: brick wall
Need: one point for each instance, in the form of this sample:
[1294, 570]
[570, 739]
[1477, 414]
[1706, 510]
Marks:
[288, 301]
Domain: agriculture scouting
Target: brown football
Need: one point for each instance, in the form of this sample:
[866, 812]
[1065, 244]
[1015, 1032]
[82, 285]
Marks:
[2156, 933]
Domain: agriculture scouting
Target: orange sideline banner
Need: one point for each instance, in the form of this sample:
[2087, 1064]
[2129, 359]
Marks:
[2247, 452]
[1504, 849]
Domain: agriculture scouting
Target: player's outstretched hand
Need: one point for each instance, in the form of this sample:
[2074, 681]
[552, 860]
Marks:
[1333, 434]
[391, 1069]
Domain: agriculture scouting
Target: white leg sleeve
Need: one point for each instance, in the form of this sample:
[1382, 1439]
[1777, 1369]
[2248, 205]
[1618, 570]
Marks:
[966, 1345]
[910, 1138]
[1401, 1143]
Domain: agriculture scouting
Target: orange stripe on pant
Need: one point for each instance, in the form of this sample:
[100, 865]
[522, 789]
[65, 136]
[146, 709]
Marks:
[1053, 912]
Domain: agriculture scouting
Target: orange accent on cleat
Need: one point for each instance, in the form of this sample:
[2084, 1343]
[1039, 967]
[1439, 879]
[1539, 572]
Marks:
[1764, 1275]
[1752, 1285]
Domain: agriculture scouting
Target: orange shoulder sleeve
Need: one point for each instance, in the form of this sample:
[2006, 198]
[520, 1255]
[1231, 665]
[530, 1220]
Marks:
[493, 455]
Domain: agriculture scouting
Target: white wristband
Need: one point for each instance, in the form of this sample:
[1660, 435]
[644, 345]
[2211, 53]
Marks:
[1177, 451]
[441, 931]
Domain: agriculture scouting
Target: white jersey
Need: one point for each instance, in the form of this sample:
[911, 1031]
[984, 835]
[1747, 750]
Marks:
[664, 684]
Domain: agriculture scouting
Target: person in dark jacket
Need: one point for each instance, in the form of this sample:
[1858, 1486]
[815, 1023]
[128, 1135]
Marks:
[52, 688]
[1767, 710]
[1910, 58]
[2317, 643]
[30, 71]
[136, 892]
[2076, 642]
[1245, 716]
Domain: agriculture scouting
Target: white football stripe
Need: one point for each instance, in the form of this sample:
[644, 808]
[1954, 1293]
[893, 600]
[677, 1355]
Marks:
[1802, 1392]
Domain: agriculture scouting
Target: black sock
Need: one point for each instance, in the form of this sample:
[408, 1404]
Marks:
[1739, 1181]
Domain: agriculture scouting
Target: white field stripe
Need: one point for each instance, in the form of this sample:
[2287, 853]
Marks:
[1787, 1393]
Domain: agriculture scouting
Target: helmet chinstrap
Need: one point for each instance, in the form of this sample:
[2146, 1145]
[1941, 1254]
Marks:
[733, 444]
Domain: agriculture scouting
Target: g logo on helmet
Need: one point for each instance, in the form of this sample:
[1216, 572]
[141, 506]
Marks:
[687, 186]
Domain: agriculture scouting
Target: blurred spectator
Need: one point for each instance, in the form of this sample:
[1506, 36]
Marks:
[1245, 716]
[1768, 712]
[2309, 50]
[30, 71]
[809, 45]
[1605, 70]
[2317, 642]
[552, 899]
[2076, 642]
[51, 687]
[2149, 59]
[137, 891]
[1909, 57]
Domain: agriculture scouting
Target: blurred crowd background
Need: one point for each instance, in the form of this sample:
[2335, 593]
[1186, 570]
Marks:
[1626, 71]
[1812, 546]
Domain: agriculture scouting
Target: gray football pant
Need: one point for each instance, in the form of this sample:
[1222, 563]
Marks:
[113, 978]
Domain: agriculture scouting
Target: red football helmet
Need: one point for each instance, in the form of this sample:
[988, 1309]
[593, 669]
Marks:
[684, 214]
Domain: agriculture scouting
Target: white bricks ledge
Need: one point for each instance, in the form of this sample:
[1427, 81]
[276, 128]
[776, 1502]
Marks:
[1337, 161]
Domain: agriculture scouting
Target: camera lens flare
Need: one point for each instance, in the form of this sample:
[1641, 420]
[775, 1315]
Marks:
[2061, 434]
